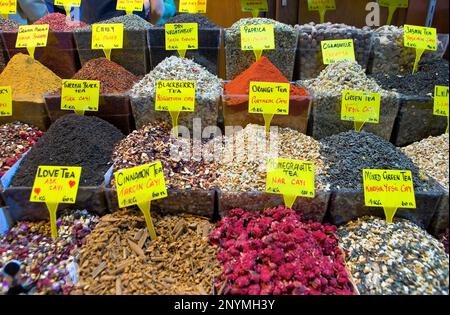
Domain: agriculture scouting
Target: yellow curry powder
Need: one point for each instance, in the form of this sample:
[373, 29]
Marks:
[29, 79]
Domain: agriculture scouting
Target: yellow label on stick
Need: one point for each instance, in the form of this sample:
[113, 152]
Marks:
[181, 37]
[390, 189]
[107, 36]
[269, 98]
[360, 107]
[5, 101]
[394, 3]
[80, 95]
[177, 96]
[257, 37]
[69, 3]
[193, 6]
[130, 5]
[440, 101]
[420, 37]
[8, 7]
[32, 36]
[291, 178]
[315, 5]
[254, 6]
[337, 50]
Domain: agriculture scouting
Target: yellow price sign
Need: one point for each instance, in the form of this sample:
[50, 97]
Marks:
[322, 6]
[107, 37]
[68, 4]
[257, 38]
[8, 7]
[254, 6]
[32, 36]
[360, 107]
[337, 50]
[440, 107]
[421, 38]
[130, 5]
[54, 185]
[193, 6]
[181, 37]
[80, 95]
[139, 186]
[290, 178]
[393, 5]
[390, 189]
[175, 96]
[5, 101]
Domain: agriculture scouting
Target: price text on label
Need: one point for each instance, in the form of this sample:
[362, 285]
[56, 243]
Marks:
[8, 6]
[107, 36]
[193, 6]
[269, 98]
[56, 184]
[360, 106]
[315, 5]
[69, 3]
[251, 5]
[290, 177]
[183, 36]
[420, 37]
[32, 36]
[440, 100]
[5, 101]
[388, 188]
[175, 96]
[140, 184]
[80, 95]
[394, 3]
[130, 5]
[257, 37]
[337, 50]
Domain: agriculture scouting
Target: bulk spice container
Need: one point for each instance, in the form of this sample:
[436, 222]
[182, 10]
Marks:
[309, 60]
[207, 96]
[189, 180]
[327, 91]
[60, 55]
[347, 154]
[415, 119]
[114, 102]
[283, 56]
[71, 141]
[209, 42]
[133, 56]
[29, 81]
[236, 98]
[6, 25]
[240, 169]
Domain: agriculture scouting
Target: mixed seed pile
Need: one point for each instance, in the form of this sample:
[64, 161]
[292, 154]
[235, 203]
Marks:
[120, 258]
[397, 258]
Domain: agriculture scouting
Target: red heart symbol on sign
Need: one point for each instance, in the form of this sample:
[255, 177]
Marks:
[37, 191]
[72, 183]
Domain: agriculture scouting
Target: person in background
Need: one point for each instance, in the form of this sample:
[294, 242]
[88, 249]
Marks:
[12, 272]
[29, 11]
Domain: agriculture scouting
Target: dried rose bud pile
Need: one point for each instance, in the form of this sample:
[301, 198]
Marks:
[15, 139]
[274, 252]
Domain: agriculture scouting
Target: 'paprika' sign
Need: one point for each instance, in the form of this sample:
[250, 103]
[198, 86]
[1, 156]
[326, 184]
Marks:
[257, 37]
[5, 101]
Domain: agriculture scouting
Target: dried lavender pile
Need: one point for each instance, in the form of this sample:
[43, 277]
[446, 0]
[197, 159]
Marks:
[154, 142]
[45, 260]
[327, 89]
[15, 139]
[119, 257]
[274, 252]
[310, 61]
[283, 56]
[245, 153]
[431, 156]
[397, 258]
[347, 154]
[72, 141]
[208, 91]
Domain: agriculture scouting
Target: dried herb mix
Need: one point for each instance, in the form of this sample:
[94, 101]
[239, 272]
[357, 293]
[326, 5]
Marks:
[72, 140]
[202, 21]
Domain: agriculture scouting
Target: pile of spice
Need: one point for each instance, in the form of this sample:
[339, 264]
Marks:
[46, 261]
[242, 166]
[15, 139]
[444, 240]
[327, 89]
[72, 140]
[431, 156]
[29, 79]
[202, 21]
[119, 257]
[274, 252]
[394, 258]
[154, 142]
[347, 154]
[283, 56]
[6, 25]
[309, 60]
[131, 22]
[60, 23]
[208, 91]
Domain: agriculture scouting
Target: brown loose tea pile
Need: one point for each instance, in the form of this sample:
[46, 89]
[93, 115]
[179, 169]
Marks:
[29, 79]
[119, 257]
[15, 139]
[72, 141]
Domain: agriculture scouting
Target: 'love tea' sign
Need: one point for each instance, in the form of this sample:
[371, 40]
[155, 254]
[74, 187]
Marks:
[290, 178]
[54, 185]
[80, 95]
[139, 186]
[390, 189]
[5, 101]
[360, 107]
